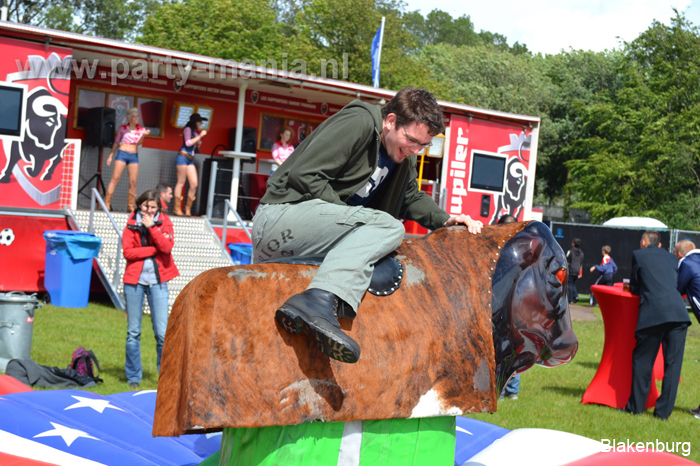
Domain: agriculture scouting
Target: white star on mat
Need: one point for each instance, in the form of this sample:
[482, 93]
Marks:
[66, 433]
[94, 403]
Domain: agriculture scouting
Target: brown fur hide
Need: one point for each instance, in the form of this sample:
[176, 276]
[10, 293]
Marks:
[427, 349]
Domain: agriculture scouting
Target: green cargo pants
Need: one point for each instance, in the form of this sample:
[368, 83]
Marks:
[352, 240]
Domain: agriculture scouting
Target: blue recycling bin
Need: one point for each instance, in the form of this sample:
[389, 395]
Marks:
[68, 266]
[241, 253]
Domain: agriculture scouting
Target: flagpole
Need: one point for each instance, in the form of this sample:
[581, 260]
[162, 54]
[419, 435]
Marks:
[379, 54]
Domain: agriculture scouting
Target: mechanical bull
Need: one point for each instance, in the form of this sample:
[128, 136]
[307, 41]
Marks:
[471, 311]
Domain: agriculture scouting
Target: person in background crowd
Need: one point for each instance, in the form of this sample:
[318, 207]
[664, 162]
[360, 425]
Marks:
[129, 138]
[165, 195]
[148, 242]
[512, 388]
[192, 136]
[282, 149]
[574, 257]
[663, 322]
[689, 281]
[606, 270]
[689, 273]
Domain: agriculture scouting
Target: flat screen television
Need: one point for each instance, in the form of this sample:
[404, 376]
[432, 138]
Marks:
[11, 103]
[488, 172]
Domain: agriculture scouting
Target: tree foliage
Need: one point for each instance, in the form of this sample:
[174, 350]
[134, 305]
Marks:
[577, 79]
[439, 27]
[642, 138]
[228, 29]
[485, 77]
[114, 19]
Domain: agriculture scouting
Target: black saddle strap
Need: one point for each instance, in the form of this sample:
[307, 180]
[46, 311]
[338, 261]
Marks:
[386, 279]
[387, 276]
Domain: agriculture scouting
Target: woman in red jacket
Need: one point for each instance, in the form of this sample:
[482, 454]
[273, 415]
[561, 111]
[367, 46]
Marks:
[147, 242]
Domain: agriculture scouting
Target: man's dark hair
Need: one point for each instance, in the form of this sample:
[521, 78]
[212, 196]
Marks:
[162, 188]
[652, 237]
[417, 105]
[506, 219]
[576, 242]
[150, 195]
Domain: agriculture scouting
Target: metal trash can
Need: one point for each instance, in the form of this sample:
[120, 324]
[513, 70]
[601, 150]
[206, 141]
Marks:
[68, 266]
[16, 325]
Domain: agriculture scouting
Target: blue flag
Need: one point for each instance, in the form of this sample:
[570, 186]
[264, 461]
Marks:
[377, 54]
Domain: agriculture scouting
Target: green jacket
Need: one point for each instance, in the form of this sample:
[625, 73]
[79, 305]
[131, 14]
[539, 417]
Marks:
[339, 157]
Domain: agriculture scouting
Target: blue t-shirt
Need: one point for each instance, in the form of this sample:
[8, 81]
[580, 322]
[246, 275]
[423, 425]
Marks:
[384, 168]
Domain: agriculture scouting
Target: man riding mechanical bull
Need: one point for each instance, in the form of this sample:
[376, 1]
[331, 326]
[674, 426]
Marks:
[339, 196]
[446, 319]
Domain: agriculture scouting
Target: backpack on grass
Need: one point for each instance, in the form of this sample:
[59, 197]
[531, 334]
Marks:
[82, 362]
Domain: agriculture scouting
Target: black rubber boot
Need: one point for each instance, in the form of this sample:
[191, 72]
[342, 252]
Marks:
[315, 312]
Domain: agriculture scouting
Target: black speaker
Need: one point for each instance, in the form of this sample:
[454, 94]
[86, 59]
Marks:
[250, 139]
[485, 205]
[100, 126]
[222, 185]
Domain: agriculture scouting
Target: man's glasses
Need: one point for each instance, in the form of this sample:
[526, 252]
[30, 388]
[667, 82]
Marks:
[414, 142]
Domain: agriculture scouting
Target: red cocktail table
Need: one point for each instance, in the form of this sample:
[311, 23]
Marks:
[612, 383]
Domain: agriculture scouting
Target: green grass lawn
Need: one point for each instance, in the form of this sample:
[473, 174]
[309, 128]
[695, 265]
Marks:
[549, 398]
[99, 327]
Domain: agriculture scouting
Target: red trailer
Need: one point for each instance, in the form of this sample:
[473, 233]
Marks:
[484, 164]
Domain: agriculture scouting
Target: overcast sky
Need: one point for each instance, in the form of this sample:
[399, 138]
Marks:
[548, 26]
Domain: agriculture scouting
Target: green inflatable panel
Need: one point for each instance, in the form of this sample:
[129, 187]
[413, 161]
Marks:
[393, 442]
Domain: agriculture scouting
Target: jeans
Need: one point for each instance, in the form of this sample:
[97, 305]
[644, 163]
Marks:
[158, 301]
[127, 157]
[182, 160]
[602, 280]
[513, 386]
[351, 240]
[573, 292]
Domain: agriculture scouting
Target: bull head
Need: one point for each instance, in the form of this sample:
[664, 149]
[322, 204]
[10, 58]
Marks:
[531, 321]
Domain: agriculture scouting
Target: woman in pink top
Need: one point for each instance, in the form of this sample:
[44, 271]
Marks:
[128, 139]
[281, 149]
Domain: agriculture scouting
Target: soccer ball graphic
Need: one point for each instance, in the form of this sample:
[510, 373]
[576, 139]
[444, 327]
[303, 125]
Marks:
[7, 236]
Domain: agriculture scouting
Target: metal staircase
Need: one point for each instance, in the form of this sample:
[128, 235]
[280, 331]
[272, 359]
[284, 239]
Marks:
[197, 248]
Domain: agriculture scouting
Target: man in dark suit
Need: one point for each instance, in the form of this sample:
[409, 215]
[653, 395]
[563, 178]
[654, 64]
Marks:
[663, 319]
[689, 281]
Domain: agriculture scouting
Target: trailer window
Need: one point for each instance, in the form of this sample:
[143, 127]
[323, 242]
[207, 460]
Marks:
[270, 125]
